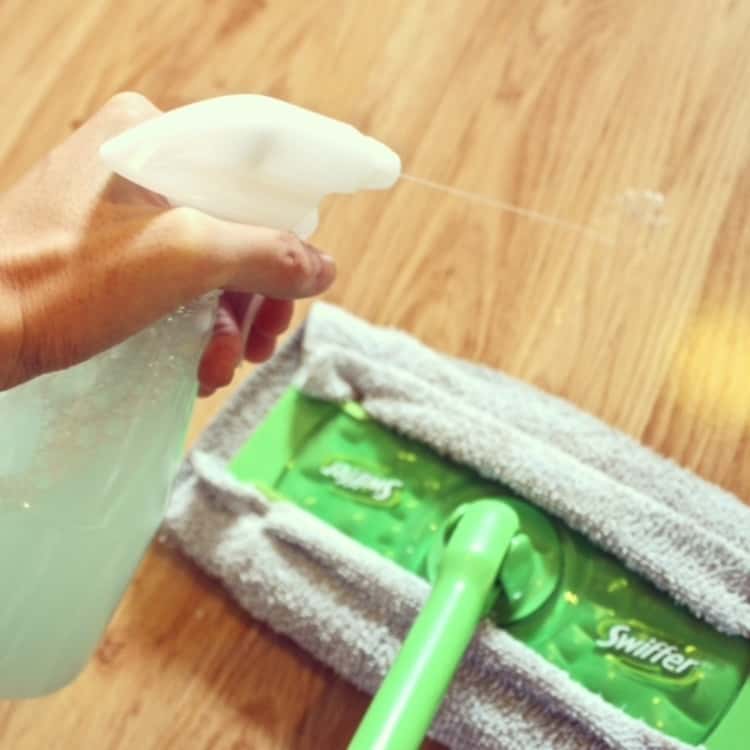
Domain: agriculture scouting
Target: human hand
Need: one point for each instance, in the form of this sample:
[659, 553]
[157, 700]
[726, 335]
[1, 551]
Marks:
[87, 259]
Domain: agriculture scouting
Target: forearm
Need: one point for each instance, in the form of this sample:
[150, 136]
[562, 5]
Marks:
[11, 320]
[11, 336]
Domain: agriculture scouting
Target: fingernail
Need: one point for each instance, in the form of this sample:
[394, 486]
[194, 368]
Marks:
[327, 272]
[313, 251]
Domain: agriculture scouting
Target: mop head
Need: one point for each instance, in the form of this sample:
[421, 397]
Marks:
[351, 607]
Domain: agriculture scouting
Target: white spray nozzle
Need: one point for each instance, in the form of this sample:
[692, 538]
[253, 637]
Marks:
[251, 159]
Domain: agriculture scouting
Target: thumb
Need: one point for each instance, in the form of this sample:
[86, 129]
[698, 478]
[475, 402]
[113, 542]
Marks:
[249, 258]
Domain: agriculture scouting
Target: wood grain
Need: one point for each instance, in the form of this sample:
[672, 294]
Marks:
[558, 106]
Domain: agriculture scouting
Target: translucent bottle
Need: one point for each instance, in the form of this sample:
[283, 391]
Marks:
[88, 454]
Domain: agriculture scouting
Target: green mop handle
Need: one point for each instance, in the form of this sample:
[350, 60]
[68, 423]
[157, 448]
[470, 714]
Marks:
[408, 699]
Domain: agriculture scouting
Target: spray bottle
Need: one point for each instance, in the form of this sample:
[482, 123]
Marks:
[89, 453]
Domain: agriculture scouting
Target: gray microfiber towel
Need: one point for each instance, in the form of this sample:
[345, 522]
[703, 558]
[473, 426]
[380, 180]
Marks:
[351, 608]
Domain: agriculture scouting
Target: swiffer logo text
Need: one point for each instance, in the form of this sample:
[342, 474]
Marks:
[353, 478]
[648, 651]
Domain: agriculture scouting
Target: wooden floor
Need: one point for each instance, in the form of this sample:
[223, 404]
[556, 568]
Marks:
[559, 106]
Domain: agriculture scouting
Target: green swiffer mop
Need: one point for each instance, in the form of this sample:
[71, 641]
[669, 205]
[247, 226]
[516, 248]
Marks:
[490, 553]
